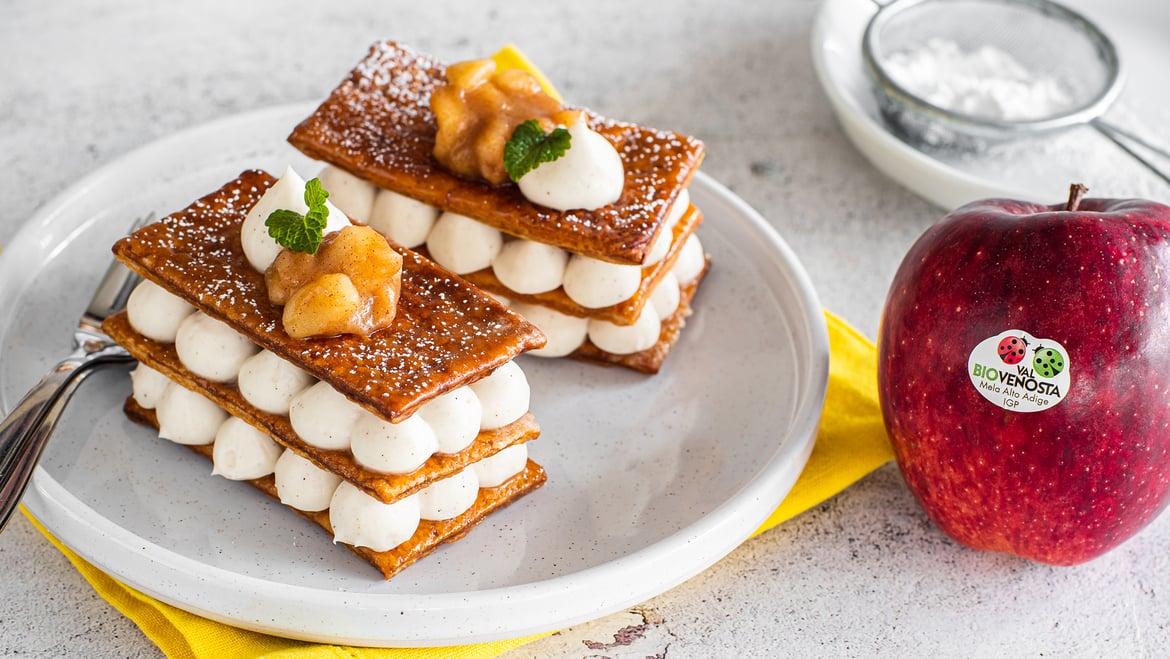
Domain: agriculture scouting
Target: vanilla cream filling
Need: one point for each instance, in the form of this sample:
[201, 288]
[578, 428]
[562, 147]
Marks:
[320, 415]
[155, 312]
[529, 267]
[303, 485]
[691, 260]
[242, 452]
[185, 417]
[405, 220]
[464, 245]
[350, 194]
[148, 386]
[210, 349]
[270, 382]
[626, 339]
[563, 333]
[392, 448]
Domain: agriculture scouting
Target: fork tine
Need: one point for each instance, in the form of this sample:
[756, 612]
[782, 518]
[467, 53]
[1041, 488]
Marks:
[116, 285]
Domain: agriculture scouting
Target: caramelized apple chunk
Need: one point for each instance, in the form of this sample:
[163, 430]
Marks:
[478, 109]
[350, 286]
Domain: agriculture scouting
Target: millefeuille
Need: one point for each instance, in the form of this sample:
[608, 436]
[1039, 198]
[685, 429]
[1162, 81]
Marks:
[394, 442]
[609, 281]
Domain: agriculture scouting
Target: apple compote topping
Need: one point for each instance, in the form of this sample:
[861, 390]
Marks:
[478, 109]
[350, 286]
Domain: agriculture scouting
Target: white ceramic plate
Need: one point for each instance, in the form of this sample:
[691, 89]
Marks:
[652, 479]
[1037, 170]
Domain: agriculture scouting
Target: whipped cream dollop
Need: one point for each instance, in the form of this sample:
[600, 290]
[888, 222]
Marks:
[302, 484]
[148, 386]
[530, 267]
[503, 395]
[449, 497]
[350, 194]
[454, 417]
[462, 245]
[393, 448]
[593, 283]
[323, 417]
[626, 339]
[495, 470]
[563, 333]
[405, 220]
[155, 312]
[666, 296]
[287, 193]
[210, 349]
[665, 237]
[588, 176]
[185, 417]
[270, 382]
[691, 260]
[361, 520]
[241, 452]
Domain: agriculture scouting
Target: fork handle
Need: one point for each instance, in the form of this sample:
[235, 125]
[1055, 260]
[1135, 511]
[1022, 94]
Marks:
[25, 431]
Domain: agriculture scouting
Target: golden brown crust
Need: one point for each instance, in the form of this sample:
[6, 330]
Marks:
[378, 124]
[384, 487]
[446, 332]
[622, 313]
[650, 360]
[428, 537]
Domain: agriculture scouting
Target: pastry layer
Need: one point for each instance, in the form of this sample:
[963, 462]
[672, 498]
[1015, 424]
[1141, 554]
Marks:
[446, 332]
[650, 360]
[378, 125]
[384, 487]
[429, 536]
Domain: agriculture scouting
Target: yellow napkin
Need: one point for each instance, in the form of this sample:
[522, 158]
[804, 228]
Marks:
[851, 443]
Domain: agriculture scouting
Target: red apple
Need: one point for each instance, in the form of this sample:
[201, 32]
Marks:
[1063, 452]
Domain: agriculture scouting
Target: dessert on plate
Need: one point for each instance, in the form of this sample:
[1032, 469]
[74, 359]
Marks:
[354, 380]
[581, 223]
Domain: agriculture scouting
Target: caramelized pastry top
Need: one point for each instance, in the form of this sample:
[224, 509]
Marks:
[378, 124]
[445, 332]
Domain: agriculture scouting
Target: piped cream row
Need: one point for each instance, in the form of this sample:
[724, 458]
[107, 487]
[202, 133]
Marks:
[388, 536]
[241, 452]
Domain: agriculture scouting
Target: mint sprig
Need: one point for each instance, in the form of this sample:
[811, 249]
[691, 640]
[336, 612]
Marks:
[530, 146]
[301, 233]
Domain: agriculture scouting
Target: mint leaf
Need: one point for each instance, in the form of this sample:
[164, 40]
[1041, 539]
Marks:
[315, 196]
[301, 233]
[530, 146]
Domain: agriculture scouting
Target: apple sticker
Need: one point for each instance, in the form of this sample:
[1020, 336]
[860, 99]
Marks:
[1001, 372]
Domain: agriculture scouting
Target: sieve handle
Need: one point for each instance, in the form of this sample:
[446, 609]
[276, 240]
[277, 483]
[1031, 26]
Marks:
[1127, 141]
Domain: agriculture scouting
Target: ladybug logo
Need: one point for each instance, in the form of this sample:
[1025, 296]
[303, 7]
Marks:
[1047, 363]
[1012, 350]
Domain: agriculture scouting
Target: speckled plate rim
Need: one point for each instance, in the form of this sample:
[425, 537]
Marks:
[404, 620]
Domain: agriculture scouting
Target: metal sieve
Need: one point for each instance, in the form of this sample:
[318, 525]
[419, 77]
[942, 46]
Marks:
[967, 74]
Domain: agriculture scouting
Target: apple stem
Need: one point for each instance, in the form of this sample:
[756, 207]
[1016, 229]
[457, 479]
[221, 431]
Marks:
[1076, 192]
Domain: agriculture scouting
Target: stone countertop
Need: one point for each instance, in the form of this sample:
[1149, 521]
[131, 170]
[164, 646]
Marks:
[862, 574]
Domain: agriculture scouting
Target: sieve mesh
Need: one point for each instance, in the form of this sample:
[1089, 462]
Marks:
[949, 70]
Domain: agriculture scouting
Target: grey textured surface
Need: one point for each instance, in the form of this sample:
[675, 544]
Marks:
[863, 574]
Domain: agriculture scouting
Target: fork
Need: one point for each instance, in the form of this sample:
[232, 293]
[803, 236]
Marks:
[27, 428]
